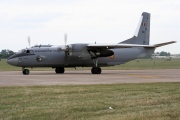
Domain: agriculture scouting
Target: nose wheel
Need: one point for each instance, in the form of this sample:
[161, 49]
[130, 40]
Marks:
[25, 72]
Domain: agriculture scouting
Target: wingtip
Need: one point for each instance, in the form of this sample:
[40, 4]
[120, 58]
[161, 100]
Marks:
[166, 43]
[172, 42]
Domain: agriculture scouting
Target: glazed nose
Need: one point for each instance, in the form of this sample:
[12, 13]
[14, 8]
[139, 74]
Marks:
[13, 61]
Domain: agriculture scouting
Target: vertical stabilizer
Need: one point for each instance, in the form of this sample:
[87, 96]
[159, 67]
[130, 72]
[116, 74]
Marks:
[143, 31]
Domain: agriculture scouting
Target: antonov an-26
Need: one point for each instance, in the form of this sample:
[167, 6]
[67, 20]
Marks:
[88, 55]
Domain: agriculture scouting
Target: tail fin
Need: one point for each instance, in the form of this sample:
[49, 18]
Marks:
[143, 33]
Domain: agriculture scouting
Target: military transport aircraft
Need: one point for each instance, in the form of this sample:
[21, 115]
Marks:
[88, 55]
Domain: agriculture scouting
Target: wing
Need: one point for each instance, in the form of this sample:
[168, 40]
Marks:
[113, 46]
[103, 50]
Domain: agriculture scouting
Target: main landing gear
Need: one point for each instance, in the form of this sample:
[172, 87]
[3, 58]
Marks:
[59, 70]
[25, 71]
[96, 70]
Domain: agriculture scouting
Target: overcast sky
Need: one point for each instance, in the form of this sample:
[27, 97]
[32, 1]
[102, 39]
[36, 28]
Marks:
[86, 21]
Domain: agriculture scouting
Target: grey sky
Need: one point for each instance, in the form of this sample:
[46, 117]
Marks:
[86, 21]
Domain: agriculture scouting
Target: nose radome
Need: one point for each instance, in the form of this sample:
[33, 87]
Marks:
[13, 61]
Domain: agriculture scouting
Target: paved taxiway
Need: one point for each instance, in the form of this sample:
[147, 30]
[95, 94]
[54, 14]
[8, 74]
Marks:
[76, 77]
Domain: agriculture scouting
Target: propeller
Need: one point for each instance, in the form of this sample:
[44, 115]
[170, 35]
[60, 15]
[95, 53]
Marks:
[65, 39]
[29, 41]
[65, 47]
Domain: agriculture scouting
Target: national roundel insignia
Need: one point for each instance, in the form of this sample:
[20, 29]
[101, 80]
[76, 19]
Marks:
[112, 56]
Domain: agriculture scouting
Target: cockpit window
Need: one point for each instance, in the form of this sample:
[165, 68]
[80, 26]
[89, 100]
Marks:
[29, 51]
[26, 51]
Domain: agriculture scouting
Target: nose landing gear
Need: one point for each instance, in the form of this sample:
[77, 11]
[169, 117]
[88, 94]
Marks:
[25, 71]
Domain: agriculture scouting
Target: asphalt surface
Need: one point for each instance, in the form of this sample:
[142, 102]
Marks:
[77, 77]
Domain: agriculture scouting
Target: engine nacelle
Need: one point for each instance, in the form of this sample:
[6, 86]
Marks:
[101, 53]
[104, 53]
[78, 51]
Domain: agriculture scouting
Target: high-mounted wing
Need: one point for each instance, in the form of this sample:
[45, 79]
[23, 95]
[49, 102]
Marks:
[113, 46]
[103, 50]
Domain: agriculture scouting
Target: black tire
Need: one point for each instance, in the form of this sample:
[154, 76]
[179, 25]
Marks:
[62, 70]
[25, 72]
[99, 70]
[96, 70]
[92, 70]
[59, 70]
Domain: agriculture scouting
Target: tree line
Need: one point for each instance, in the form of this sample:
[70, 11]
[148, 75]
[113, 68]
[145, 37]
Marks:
[4, 54]
[164, 53]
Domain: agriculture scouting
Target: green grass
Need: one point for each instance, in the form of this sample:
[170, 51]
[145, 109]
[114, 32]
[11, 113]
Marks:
[149, 64]
[148, 101]
[4, 66]
[135, 64]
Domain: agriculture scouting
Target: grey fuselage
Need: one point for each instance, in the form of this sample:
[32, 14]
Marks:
[80, 57]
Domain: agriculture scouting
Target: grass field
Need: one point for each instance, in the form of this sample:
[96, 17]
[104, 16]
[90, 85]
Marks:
[152, 101]
[135, 64]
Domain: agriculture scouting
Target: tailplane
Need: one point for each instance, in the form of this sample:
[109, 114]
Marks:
[143, 32]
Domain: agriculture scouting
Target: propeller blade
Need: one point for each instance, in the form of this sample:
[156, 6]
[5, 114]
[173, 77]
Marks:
[29, 41]
[65, 39]
[65, 47]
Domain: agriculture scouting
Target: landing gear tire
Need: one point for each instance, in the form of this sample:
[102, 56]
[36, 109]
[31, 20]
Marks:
[96, 70]
[25, 72]
[59, 70]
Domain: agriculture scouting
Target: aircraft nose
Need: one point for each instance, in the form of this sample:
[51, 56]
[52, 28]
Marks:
[12, 61]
